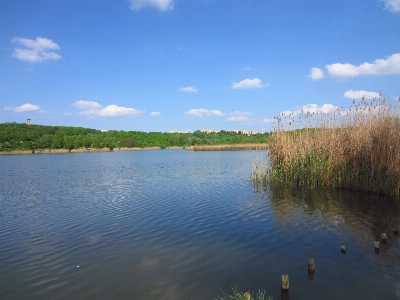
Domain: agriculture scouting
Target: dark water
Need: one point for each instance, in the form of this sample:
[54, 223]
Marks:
[172, 224]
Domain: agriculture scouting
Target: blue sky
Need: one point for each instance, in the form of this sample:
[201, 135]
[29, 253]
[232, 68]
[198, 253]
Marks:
[161, 65]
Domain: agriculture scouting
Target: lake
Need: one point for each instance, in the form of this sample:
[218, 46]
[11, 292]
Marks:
[175, 224]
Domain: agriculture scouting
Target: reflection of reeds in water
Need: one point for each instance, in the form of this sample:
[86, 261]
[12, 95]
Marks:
[339, 211]
[232, 147]
[357, 149]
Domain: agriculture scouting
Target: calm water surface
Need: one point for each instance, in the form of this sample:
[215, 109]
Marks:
[175, 224]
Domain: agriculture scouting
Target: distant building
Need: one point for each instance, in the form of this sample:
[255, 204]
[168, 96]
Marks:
[28, 121]
[178, 131]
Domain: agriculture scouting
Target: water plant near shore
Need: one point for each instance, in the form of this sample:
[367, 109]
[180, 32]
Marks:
[357, 148]
[237, 295]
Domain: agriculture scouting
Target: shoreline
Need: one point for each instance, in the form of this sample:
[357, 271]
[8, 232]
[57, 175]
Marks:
[228, 147]
[225, 147]
[82, 150]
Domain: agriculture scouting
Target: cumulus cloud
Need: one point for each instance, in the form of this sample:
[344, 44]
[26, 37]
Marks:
[202, 112]
[35, 50]
[162, 5]
[310, 108]
[155, 113]
[118, 111]
[188, 89]
[390, 65]
[316, 73]
[92, 109]
[238, 116]
[360, 94]
[23, 108]
[392, 5]
[82, 104]
[248, 83]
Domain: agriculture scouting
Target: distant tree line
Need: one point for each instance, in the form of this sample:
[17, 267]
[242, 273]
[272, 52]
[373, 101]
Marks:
[16, 136]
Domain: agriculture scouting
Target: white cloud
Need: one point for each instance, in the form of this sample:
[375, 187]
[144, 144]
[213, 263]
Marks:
[218, 113]
[26, 107]
[155, 113]
[7, 108]
[92, 109]
[67, 114]
[310, 108]
[238, 116]
[391, 65]
[392, 5]
[359, 94]
[202, 112]
[189, 89]
[82, 104]
[316, 73]
[248, 83]
[247, 69]
[118, 111]
[162, 5]
[35, 50]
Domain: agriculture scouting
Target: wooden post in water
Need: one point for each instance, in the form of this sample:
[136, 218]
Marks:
[395, 231]
[285, 287]
[311, 265]
[384, 238]
[376, 246]
[285, 281]
[343, 249]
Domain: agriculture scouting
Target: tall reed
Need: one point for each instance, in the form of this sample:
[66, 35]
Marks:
[358, 148]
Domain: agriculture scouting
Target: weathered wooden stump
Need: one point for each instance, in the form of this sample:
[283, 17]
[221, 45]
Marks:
[384, 238]
[311, 265]
[247, 296]
[343, 249]
[285, 281]
[376, 246]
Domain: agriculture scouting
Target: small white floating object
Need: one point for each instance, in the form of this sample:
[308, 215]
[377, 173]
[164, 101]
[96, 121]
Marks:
[376, 245]
[77, 266]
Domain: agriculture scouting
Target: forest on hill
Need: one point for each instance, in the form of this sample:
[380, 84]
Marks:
[21, 136]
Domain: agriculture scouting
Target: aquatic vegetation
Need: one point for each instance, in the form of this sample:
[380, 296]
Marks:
[357, 148]
[237, 295]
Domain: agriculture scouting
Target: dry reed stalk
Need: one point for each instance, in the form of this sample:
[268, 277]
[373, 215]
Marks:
[357, 149]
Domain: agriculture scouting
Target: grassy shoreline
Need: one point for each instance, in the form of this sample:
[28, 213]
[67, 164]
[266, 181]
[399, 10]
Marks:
[82, 150]
[231, 147]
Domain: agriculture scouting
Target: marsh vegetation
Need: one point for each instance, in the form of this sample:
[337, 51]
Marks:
[357, 148]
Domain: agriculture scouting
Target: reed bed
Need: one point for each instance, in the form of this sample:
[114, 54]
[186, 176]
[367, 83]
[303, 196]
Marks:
[232, 147]
[357, 148]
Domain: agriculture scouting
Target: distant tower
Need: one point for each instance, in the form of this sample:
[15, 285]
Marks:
[28, 121]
